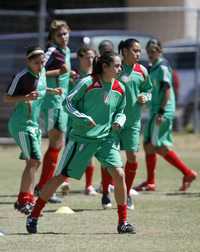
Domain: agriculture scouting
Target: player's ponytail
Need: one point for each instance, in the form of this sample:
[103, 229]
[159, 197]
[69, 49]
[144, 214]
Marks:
[106, 58]
[126, 44]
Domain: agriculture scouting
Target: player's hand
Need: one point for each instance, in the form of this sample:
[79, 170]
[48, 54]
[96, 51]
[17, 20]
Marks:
[141, 99]
[63, 69]
[92, 123]
[116, 126]
[32, 96]
[159, 119]
[58, 91]
[74, 75]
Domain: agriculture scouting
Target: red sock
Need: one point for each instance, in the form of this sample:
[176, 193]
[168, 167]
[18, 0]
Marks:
[151, 167]
[89, 175]
[25, 197]
[106, 179]
[40, 203]
[174, 160]
[122, 213]
[49, 165]
[130, 172]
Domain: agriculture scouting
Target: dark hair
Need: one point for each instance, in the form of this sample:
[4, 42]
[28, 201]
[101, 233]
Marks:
[106, 58]
[56, 25]
[126, 44]
[83, 50]
[154, 44]
[105, 46]
[33, 51]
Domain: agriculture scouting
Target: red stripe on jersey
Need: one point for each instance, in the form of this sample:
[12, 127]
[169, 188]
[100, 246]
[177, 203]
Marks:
[117, 87]
[138, 68]
[95, 84]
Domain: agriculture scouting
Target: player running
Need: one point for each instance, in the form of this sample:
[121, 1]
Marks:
[57, 73]
[96, 107]
[27, 90]
[158, 133]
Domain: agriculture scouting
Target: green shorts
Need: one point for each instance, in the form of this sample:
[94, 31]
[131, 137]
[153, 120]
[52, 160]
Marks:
[76, 156]
[159, 135]
[55, 119]
[130, 138]
[29, 141]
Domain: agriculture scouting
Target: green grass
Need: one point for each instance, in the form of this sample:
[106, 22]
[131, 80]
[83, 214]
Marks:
[166, 219]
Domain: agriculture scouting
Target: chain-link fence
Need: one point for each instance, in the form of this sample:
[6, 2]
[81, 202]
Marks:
[176, 27]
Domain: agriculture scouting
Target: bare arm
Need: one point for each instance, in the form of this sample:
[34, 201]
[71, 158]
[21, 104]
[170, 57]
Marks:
[57, 72]
[29, 97]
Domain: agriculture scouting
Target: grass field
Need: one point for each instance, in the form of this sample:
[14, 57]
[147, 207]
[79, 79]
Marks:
[166, 220]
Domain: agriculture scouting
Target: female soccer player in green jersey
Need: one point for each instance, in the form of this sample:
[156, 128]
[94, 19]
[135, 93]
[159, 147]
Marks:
[86, 56]
[138, 87]
[96, 107]
[57, 65]
[27, 91]
[158, 133]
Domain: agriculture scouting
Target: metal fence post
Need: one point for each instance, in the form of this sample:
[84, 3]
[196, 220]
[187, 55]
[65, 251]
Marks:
[196, 76]
[42, 22]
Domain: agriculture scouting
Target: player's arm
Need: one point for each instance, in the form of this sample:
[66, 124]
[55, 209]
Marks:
[120, 117]
[18, 98]
[146, 88]
[56, 72]
[75, 96]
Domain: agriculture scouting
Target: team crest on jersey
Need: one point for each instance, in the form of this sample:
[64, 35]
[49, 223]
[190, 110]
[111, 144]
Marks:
[106, 97]
[125, 78]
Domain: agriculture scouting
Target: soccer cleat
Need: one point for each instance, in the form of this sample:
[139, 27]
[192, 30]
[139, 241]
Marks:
[126, 228]
[106, 201]
[133, 192]
[31, 225]
[24, 208]
[145, 186]
[187, 180]
[65, 188]
[130, 204]
[54, 199]
[90, 191]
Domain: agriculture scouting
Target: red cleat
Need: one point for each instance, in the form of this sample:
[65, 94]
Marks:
[145, 186]
[187, 180]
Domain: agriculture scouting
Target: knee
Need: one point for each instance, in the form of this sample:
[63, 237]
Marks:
[120, 176]
[149, 148]
[162, 150]
[131, 158]
[33, 163]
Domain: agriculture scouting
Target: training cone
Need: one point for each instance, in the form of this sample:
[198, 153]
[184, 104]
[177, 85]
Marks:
[64, 210]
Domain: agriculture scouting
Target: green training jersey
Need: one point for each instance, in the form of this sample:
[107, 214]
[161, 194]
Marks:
[26, 114]
[55, 58]
[161, 76]
[98, 100]
[137, 82]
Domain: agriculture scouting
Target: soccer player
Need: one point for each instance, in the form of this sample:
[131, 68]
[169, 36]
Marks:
[96, 107]
[86, 56]
[158, 134]
[27, 90]
[138, 88]
[57, 73]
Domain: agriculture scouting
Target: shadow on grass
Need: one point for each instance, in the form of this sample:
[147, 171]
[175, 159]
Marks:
[7, 196]
[185, 194]
[62, 233]
[76, 210]
[6, 203]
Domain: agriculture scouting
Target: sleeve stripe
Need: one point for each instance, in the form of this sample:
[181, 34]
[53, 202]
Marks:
[13, 85]
[48, 54]
[70, 108]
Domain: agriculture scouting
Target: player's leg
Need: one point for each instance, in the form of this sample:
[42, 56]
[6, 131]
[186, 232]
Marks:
[109, 156]
[73, 162]
[55, 118]
[89, 172]
[30, 144]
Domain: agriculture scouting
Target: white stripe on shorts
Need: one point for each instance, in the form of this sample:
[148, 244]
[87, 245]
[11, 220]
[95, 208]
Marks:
[155, 135]
[24, 146]
[67, 148]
